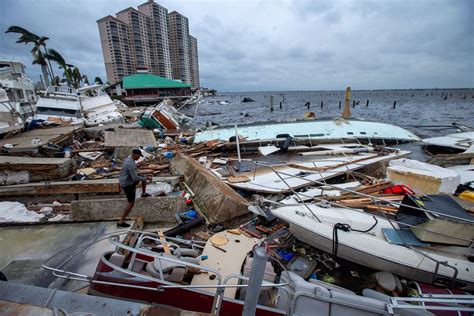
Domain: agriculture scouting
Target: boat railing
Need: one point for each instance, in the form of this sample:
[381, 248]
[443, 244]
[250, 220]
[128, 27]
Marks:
[426, 255]
[161, 240]
[60, 271]
[377, 198]
[377, 201]
[444, 302]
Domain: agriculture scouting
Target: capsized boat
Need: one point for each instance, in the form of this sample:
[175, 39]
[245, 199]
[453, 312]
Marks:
[163, 116]
[158, 269]
[314, 130]
[283, 178]
[454, 143]
[10, 120]
[19, 88]
[379, 243]
[89, 106]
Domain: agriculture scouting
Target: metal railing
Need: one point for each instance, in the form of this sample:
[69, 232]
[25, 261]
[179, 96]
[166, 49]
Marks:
[376, 201]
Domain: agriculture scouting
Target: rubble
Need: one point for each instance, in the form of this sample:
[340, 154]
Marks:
[234, 198]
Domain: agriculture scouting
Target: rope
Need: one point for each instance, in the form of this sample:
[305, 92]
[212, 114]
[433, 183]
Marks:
[347, 228]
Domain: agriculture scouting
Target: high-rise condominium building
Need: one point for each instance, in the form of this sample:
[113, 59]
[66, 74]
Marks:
[179, 46]
[193, 50]
[161, 46]
[149, 38]
[116, 48]
[140, 36]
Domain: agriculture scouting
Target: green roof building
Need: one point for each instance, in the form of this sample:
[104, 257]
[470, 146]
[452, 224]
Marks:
[147, 88]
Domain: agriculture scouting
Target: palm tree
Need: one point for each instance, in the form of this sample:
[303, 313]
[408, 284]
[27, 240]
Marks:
[71, 73]
[38, 55]
[97, 80]
[85, 79]
[55, 56]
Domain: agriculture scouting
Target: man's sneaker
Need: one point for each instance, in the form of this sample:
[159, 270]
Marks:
[123, 225]
[145, 195]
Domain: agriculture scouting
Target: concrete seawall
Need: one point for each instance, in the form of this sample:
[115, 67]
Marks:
[152, 209]
[222, 203]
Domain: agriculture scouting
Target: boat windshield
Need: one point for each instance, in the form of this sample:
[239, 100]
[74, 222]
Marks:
[58, 112]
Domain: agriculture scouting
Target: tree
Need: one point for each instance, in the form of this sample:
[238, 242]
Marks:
[85, 79]
[97, 80]
[38, 55]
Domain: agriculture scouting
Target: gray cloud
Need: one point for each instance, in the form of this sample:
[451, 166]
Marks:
[280, 45]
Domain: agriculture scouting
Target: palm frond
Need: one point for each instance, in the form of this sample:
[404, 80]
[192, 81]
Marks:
[26, 36]
[55, 56]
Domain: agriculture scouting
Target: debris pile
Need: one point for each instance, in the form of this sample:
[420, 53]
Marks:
[327, 211]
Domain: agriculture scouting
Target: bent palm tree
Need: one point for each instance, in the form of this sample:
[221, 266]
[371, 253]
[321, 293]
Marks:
[55, 56]
[28, 37]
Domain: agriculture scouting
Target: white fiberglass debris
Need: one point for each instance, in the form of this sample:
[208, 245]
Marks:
[156, 189]
[17, 212]
[423, 178]
[59, 217]
[47, 210]
[267, 150]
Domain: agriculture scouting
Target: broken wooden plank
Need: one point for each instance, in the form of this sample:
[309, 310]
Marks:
[383, 208]
[373, 188]
[237, 179]
[62, 187]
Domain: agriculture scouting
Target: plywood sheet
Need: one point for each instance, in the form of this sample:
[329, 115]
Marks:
[226, 263]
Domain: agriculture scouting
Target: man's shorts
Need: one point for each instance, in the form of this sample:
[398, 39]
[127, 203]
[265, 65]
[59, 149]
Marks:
[130, 192]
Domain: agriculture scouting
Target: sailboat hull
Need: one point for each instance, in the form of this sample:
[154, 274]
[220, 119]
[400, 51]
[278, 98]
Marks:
[372, 250]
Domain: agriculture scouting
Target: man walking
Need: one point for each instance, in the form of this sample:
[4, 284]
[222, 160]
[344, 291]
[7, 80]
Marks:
[129, 179]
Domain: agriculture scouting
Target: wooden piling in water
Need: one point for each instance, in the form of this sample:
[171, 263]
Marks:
[347, 112]
[367, 102]
[340, 104]
[353, 103]
[394, 104]
[271, 103]
[322, 104]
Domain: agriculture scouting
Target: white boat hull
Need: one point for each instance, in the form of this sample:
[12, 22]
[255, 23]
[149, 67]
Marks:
[314, 130]
[371, 249]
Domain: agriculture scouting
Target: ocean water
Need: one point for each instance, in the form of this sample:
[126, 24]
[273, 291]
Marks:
[427, 113]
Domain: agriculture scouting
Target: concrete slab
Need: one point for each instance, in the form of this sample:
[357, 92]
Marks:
[24, 248]
[26, 143]
[152, 209]
[20, 299]
[121, 137]
[38, 169]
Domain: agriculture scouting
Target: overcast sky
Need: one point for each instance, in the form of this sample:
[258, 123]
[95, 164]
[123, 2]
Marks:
[278, 44]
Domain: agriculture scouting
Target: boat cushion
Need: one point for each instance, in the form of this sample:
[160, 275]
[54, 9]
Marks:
[400, 311]
[309, 297]
[363, 303]
[182, 252]
[174, 275]
[303, 305]
[166, 265]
